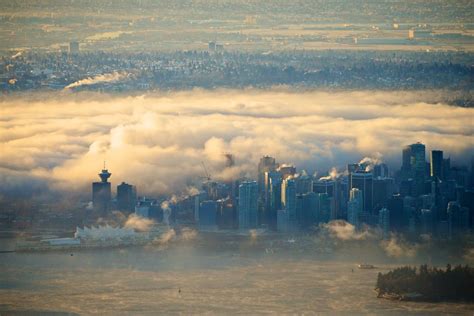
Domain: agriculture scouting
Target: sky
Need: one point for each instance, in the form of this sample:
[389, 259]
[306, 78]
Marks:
[158, 140]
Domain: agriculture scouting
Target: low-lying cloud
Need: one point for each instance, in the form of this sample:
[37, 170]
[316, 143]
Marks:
[138, 223]
[396, 247]
[157, 141]
[345, 231]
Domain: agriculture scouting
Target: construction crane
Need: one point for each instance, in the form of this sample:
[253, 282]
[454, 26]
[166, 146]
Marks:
[206, 173]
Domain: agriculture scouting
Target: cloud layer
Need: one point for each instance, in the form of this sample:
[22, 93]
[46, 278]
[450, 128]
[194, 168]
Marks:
[157, 141]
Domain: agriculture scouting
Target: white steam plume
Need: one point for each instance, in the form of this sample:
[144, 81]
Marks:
[111, 77]
[17, 55]
[333, 174]
[370, 162]
[343, 230]
[138, 223]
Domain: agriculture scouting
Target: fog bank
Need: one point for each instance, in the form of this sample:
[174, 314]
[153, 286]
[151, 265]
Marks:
[157, 141]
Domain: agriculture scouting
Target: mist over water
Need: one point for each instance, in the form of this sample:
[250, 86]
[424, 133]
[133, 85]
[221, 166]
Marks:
[211, 273]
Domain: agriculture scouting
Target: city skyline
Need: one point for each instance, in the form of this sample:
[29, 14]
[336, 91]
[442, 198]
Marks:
[413, 200]
[236, 157]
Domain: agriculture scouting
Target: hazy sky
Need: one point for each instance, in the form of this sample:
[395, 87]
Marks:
[158, 141]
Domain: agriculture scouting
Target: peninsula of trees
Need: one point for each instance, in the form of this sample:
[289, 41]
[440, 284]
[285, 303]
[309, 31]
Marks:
[427, 284]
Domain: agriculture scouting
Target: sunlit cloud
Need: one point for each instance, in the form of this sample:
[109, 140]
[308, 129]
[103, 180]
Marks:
[157, 141]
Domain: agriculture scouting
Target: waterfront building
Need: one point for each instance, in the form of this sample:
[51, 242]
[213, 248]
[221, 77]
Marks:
[354, 207]
[364, 182]
[126, 197]
[247, 210]
[384, 222]
[101, 193]
[208, 214]
[288, 200]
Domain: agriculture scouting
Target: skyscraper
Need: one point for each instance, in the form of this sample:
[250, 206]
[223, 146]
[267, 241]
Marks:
[101, 192]
[395, 206]
[272, 198]
[383, 190]
[248, 195]
[380, 171]
[288, 200]
[458, 218]
[282, 221]
[436, 164]
[323, 209]
[304, 184]
[266, 164]
[414, 167]
[208, 215]
[364, 181]
[126, 197]
[426, 221]
[333, 189]
[354, 207]
[384, 222]
[309, 209]
[286, 171]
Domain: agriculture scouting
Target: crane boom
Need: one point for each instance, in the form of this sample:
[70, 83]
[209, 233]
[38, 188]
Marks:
[207, 174]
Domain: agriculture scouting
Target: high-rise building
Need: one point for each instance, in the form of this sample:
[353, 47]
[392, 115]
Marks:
[395, 206]
[384, 222]
[287, 171]
[458, 218]
[381, 171]
[325, 186]
[283, 224]
[323, 209]
[354, 207]
[304, 184]
[247, 210]
[288, 200]
[436, 164]
[364, 182]
[333, 189]
[266, 164]
[198, 198]
[309, 209]
[126, 197]
[426, 221]
[414, 167]
[272, 198]
[226, 214]
[211, 188]
[383, 190]
[101, 192]
[208, 215]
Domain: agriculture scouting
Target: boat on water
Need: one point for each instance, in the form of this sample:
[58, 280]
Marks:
[366, 266]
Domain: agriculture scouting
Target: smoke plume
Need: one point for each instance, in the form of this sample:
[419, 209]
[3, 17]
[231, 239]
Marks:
[333, 174]
[112, 77]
